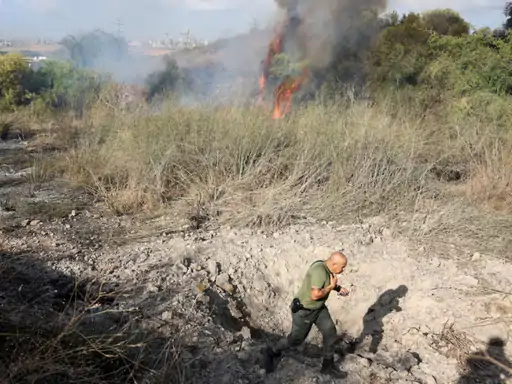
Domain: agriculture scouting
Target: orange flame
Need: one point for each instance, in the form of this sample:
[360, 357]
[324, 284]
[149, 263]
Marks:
[275, 47]
[284, 94]
[288, 86]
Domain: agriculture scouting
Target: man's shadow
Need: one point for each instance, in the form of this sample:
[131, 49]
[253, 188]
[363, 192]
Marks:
[489, 366]
[373, 320]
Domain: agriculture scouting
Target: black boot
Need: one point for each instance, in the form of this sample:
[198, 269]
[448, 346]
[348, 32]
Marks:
[329, 368]
[271, 358]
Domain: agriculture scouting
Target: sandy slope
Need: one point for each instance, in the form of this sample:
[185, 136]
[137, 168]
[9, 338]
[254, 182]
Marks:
[469, 294]
[453, 305]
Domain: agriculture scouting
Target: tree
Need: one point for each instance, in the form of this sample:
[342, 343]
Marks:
[508, 14]
[91, 48]
[401, 52]
[446, 22]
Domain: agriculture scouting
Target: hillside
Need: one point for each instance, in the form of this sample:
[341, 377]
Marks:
[158, 233]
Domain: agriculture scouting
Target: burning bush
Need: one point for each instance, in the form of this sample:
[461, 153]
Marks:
[433, 50]
[169, 79]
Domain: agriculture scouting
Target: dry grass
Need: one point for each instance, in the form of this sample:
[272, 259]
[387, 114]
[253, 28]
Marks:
[336, 162]
[84, 337]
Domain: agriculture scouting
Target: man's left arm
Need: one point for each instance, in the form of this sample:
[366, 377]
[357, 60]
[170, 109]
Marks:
[341, 291]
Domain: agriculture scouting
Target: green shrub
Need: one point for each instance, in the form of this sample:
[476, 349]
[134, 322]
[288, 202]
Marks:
[15, 77]
[445, 22]
[69, 87]
[462, 65]
[401, 53]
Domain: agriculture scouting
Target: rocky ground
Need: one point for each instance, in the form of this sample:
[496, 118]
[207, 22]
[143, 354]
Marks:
[220, 294]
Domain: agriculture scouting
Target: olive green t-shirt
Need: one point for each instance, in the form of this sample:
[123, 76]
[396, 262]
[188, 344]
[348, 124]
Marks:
[318, 275]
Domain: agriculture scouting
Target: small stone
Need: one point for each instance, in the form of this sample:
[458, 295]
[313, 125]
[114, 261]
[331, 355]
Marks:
[229, 288]
[424, 377]
[222, 279]
[387, 233]
[152, 288]
[260, 284]
[365, 362]
[167, 316]
[33, 223]
[180, 268]
[213, 268]
[435, 262]
[234, 311]
[73, 213]
[469, 280]
[395, 376]
[243, 355]
[407, 361]
[476, 256]
[368, 240]
[246, 333]
[24, 223]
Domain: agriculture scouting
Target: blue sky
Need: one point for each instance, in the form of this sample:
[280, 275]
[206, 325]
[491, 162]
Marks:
[205, 18]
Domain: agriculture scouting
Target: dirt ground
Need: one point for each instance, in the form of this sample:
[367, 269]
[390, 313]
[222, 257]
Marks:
[422, 314]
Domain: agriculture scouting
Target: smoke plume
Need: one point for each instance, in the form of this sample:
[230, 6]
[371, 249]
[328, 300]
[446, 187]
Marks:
[322, 25]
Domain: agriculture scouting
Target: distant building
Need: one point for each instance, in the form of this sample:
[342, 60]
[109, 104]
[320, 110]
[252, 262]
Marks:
[187, 40]
[35, 61]
[4, 43]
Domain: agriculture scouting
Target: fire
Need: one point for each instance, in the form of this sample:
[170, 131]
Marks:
[289, 85]
[284, 94]
[274, 48]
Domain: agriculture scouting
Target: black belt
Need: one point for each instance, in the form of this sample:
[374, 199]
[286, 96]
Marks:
[315, 309]
[297, 306]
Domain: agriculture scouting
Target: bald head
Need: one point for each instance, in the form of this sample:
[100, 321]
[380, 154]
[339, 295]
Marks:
[337, 262]
[338, 257]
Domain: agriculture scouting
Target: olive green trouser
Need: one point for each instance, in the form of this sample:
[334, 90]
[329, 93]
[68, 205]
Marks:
[302, 321]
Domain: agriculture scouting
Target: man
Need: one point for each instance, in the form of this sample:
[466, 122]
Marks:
[308, 308]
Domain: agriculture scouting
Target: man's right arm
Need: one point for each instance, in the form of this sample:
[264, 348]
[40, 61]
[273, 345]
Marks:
[318, 291]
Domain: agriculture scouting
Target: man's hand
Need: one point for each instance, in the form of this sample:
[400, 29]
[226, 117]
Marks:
[343, 291]
[317, 294]
[332, 285]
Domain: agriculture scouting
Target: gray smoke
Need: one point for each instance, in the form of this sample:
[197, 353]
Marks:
[323, 25]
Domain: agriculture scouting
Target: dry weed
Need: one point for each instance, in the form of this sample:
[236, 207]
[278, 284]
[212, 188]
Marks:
[331, 162]
[90, 340]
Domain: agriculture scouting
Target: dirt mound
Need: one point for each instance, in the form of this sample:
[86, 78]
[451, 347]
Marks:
[411, 306]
